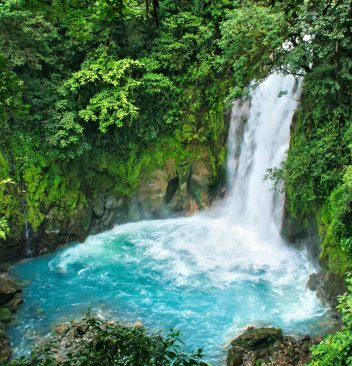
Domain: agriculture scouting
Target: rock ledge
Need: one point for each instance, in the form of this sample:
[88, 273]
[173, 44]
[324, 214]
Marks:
[268, 347]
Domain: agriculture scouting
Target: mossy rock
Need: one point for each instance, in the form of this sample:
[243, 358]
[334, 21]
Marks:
[199, 180]
[255, 338]
[152, 192]
[8, 289]
[5, 315]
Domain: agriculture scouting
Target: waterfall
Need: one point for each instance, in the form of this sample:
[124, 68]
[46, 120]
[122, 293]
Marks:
[209, 275]
[28, 250]
[258, 140]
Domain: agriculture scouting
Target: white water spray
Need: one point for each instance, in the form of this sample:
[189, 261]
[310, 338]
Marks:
[258, 140]
[240, 239]
[209, 275]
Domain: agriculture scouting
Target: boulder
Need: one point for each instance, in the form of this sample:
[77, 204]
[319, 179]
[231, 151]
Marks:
[267, 346]
[5, 315]
[98, 205]
[74, 336]
[79, 225]
[5, 351]
[328, 286]
[253, 339]
[198, 183]
[8, 290]
[152, 192]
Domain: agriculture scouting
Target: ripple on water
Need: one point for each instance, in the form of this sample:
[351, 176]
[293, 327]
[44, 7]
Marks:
[209, 275]
[196, 274]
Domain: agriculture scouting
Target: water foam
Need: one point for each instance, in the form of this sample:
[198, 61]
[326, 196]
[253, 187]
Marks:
[209, 275]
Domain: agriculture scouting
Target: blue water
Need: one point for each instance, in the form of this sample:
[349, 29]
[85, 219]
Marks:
[210, 275]
[202, 275]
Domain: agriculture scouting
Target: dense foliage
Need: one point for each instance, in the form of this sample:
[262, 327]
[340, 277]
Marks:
[317, 172]
[111, 344]
[93, 92]
[84, 83]
[336, 349]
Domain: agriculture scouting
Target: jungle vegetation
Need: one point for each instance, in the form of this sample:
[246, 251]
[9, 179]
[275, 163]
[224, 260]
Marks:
[82, 81]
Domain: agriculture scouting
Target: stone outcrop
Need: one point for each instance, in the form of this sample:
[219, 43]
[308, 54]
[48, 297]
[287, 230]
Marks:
[198, 182]
[327, 286]
[10, 298]
[70, 338]
[152, 192]
[268, 347]
[59, 228]
[8, 291]
[166, 191]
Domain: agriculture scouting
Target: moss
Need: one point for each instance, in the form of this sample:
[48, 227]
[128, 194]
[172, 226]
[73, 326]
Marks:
[123, 176]
[335, 221]
[50, 184]
[331, 256]
[10, 204]
[34, 188]
[5, 315]
[317, 178]
[41, 185]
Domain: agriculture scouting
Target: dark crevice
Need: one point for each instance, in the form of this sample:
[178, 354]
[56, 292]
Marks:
[171, 189]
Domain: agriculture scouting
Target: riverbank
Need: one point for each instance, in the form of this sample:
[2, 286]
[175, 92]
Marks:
[269, 347]
[10, 299]
[84, 341]
[226, 263]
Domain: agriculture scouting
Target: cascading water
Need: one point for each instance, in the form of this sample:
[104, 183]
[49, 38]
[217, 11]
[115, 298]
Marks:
[27, 236]
[209, 275]
[258, 139]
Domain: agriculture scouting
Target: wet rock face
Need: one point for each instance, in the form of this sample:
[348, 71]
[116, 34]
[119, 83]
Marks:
[79, 224]
[5, 351]
[168, 190]
[10, 298]
[12, 249]
[111, 210]
[267, 346]
[199, 177]
[59, 228]
[327, 286]
[198, 184]
[159, 193]
[152, 192]
[98, 205]
[8, 290]
[165, 191]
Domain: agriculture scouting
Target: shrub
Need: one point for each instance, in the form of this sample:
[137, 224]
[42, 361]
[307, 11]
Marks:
[93, 342]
